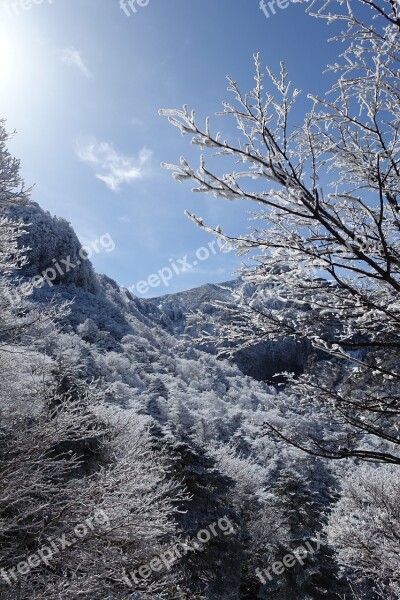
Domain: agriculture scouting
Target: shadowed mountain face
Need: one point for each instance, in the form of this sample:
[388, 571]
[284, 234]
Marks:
[263, 361]
[54, 248]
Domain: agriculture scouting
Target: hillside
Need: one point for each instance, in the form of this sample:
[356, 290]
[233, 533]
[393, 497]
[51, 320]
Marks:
[207, 415]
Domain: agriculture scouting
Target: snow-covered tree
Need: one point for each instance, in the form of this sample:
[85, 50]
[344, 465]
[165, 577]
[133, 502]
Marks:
[364, 527]
[325, 242]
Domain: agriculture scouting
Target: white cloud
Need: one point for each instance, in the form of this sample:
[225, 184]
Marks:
[112, 167]
[73, 57]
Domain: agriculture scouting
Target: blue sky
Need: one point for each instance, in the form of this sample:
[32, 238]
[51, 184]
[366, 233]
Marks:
[82, 83]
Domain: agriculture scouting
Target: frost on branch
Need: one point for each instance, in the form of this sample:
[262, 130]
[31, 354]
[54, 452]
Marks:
[330, 254]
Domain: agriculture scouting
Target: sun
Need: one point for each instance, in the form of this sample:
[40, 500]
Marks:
[11, 56]
[24, 73]
[4, 53]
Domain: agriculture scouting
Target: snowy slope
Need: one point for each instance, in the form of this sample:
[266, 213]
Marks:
[133, 346]
[206, 411]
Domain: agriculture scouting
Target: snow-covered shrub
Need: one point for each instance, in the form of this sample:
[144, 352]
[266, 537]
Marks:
[364, 526]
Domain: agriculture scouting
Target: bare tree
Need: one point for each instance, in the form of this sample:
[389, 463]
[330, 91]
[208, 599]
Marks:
[325, 240]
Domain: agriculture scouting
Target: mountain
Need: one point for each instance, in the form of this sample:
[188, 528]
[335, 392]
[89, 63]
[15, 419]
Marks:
[206, 415]
[263, 361]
